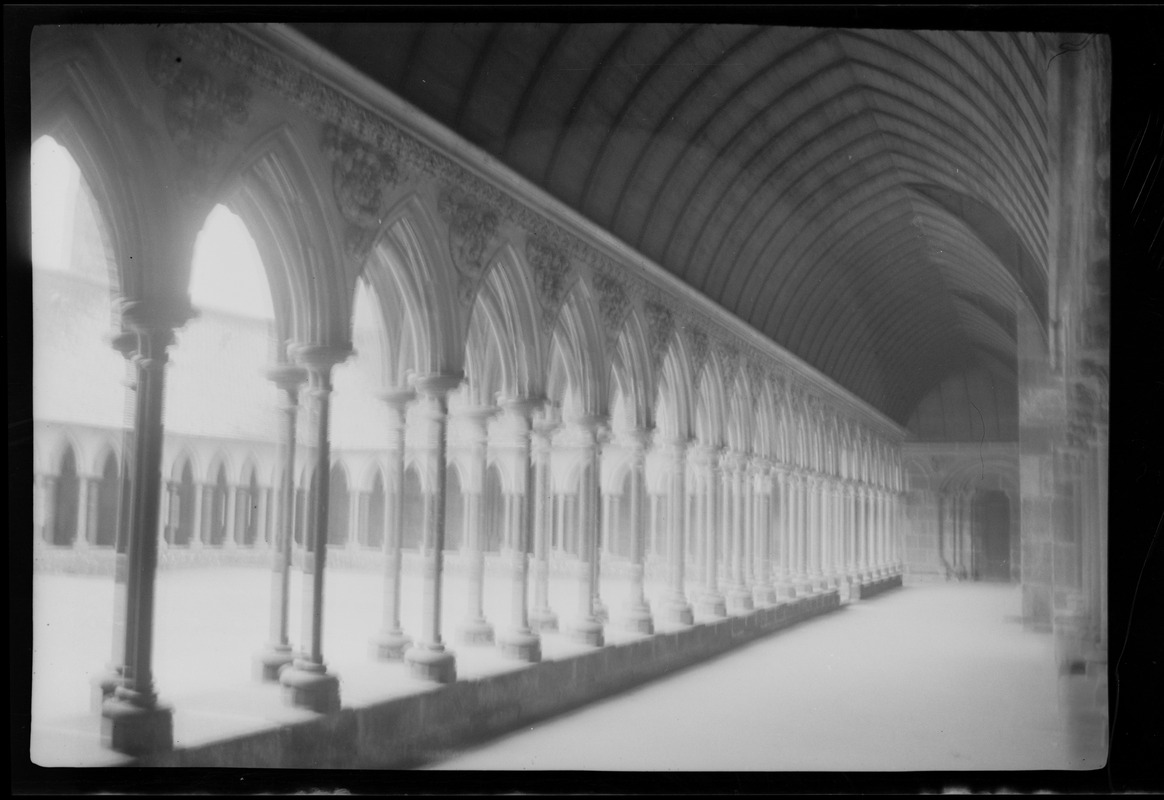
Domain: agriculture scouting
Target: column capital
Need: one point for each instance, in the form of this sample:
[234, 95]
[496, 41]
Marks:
[437, 385]
[635, 439]
[588, 422]
[157, 317]
[523, 407]
[397, 397]
[288, 377]
[318, 358]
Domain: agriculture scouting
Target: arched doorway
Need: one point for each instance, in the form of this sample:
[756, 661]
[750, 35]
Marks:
[216, 530]
[413, 532]
[337, 507]
[374, 536]
[454, 510]
[108, 492]
[248, 509]
[184, 531]
[65, 515]
[493, 511]
[992, 536]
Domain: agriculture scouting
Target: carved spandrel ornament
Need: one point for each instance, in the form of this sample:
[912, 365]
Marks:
[613, 301]
[471, 227]
[660, 326]
[551, 269]
[198, 110]
[700, 346]
[361, 177]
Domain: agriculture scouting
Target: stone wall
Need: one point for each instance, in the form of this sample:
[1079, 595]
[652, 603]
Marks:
[409, 730]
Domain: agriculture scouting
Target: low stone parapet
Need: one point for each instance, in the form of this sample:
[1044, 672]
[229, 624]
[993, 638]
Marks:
[418, 727]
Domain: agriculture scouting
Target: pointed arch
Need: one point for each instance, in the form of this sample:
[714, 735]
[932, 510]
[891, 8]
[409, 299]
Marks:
[578, 372]
[411, 250]
[108, 488]
[631, 376]
[711, 403]
[674, 401]
[738, 431]
[273, 189]
[508, 289]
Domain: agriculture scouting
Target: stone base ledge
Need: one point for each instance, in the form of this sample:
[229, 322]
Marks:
[411, 730]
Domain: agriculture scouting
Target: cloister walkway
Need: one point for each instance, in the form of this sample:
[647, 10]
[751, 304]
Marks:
[935, 676]
[929, 677]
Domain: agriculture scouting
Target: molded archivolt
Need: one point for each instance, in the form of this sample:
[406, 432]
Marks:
[778, 173]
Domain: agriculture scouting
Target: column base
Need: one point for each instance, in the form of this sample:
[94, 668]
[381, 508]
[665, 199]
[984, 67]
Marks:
[785, 590]
[524, 645]
[431, 664]
[390, 645]
[136, 729]
[763, 595]
[712, 604]
[803, 585]
[543, 620]
[600, 612]
[678, 610]
[271, 661]
[587, 631]
[103, 687]
[637, 618]
[739, 599]
[309, 685]
[475, 631]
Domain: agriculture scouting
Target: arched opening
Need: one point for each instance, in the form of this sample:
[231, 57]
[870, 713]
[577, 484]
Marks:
[992, 544]
[108, 490]
[413, 532]
[377, 505]
[219, 499]
[248, 509]
[64, 530]
[337, 507]
[454, 510]
[493, 511]
[623, 531]
[182, 509]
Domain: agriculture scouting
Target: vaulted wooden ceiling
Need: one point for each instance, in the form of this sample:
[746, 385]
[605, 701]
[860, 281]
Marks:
[875, 201]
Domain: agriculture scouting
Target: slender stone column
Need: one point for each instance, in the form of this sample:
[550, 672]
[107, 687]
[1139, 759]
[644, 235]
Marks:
[762, 589]
[711, 602]
[132, 720]
[428, 658]
[81, 536]
[262, 499]
[277, 653]
[785, 585]
[587, 627]
[739, 597]
[601, 530]
[391, 642]
[165, 521]
[863, 560]
[637, 614]
[110, 678]
[804, 536]
[197, 537]
[356, 498]
[306, 681]
[542, 617]
[475, 629]
[520, 641]
[230, 523]
[676, 609]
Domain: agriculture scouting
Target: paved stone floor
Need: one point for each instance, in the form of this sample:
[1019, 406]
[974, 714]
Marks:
[931, 677]
[936, 676]
[209, 624]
